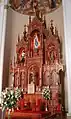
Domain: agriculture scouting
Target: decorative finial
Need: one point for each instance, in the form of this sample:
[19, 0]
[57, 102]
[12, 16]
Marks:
[41, 16]
[18, 38]
[11, 68]
[24, 32]
[37, 13]
[49, 30]
[44, 21]
[29, 19]
[56, 32]
[35, 4]
[52, 28]
[24, 27]
[14, 61]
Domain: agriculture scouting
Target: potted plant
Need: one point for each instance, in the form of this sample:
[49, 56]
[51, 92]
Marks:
[46, 94]
[9, 98]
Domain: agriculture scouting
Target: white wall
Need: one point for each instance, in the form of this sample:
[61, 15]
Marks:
[3, 16]
[15, 26]
[67, 35]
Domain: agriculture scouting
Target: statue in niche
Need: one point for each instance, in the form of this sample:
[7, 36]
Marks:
[22, 56]
[52, 56]
[36, 43]
[33, 78]
[48, 79]
[55, 78]
[55, 87]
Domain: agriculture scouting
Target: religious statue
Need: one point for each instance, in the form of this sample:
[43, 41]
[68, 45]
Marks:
[23, 56]
[32, 78]
[48, 78]
[55, 77]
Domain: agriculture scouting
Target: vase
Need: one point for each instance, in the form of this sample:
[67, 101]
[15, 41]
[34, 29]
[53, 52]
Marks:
[46, 106]
[9, 113]
[3, 112]
[12, 109]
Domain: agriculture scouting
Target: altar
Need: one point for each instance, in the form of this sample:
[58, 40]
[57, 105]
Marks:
[38, 64]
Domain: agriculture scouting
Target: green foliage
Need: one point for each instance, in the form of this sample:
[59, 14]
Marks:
[46, 93]
[9, 97]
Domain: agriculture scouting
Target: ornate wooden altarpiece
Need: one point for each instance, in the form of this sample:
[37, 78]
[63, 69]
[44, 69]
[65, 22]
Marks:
[39, 57]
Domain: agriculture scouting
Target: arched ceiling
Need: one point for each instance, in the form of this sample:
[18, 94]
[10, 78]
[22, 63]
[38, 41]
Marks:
[29, 6]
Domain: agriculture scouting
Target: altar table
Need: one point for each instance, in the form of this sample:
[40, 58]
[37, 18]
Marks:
[28, 115]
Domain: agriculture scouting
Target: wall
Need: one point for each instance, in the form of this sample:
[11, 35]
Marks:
[15, 26]
[67, 38]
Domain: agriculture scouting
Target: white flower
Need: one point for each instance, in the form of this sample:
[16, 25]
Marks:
[12, 92]
[46, 93]
[9, 97]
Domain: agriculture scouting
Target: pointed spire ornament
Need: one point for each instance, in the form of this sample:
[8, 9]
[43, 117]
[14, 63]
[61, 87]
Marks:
[44, 21]
[56, 32]
[52, 27]
[29, 19]
[14, 61]
[49, 30]
[37, 13]
[11, 68]
[18, 38]
[41, 16]
[25, 33]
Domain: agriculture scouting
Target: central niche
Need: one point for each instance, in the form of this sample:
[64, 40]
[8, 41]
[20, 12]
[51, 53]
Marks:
[33, 77]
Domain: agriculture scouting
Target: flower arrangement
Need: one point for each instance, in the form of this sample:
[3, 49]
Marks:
[46, 93]
[9, 97]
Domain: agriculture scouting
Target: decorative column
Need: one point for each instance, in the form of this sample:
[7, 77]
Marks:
[67, 39]
[40, 77]
[3, 14]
